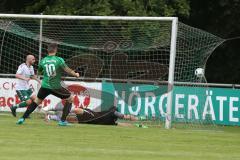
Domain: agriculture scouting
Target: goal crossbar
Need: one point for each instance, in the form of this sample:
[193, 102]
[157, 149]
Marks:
[67, 17]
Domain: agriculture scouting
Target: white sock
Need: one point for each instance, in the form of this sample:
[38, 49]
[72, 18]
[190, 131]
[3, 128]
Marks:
[54, 117]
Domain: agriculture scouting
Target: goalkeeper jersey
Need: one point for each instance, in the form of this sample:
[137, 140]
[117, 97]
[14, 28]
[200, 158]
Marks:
[52, 68]
[105, 117]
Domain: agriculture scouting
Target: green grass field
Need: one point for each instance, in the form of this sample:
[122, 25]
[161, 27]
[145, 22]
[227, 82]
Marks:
[36, 140]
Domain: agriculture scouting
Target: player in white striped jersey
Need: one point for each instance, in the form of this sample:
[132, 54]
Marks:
[25, 73]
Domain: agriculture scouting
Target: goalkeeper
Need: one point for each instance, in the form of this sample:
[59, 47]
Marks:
[52, 68]
[87, 116]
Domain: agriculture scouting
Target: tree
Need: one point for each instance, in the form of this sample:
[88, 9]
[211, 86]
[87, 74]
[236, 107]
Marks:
[13, 6]
[220, 18]
[38, 6]
[108, 7]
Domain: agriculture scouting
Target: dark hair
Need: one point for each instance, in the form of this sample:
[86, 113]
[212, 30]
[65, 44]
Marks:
[52, 47]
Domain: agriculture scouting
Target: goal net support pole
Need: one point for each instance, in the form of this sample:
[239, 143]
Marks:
[40, 40]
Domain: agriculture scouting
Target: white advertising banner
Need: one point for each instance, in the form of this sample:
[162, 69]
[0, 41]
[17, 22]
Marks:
[85, 94]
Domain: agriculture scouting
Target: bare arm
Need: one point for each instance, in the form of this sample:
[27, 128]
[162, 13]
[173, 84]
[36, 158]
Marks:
[71, 72]
[130, 117]
[121, 124]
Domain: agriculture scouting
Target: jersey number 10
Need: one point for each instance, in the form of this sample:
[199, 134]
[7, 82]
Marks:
[51, 70]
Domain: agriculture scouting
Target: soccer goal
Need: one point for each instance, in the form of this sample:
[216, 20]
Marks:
[140, 50]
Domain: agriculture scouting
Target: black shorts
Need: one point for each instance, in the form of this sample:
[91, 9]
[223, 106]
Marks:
[103, 118]
[62, 93]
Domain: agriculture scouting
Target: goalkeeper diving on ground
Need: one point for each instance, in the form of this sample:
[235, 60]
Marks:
[88, 116]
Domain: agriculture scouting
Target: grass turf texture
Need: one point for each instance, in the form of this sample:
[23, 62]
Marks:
[37, 140]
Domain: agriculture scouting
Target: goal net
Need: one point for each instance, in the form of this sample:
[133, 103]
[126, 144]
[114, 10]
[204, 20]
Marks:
[121, 52]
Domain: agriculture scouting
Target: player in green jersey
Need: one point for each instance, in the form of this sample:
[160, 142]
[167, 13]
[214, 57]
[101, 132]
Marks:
[52, 68]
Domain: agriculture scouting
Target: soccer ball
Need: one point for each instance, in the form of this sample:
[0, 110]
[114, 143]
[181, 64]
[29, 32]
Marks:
[199, 72]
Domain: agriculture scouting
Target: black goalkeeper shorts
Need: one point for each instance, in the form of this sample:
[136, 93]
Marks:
[62, 93]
